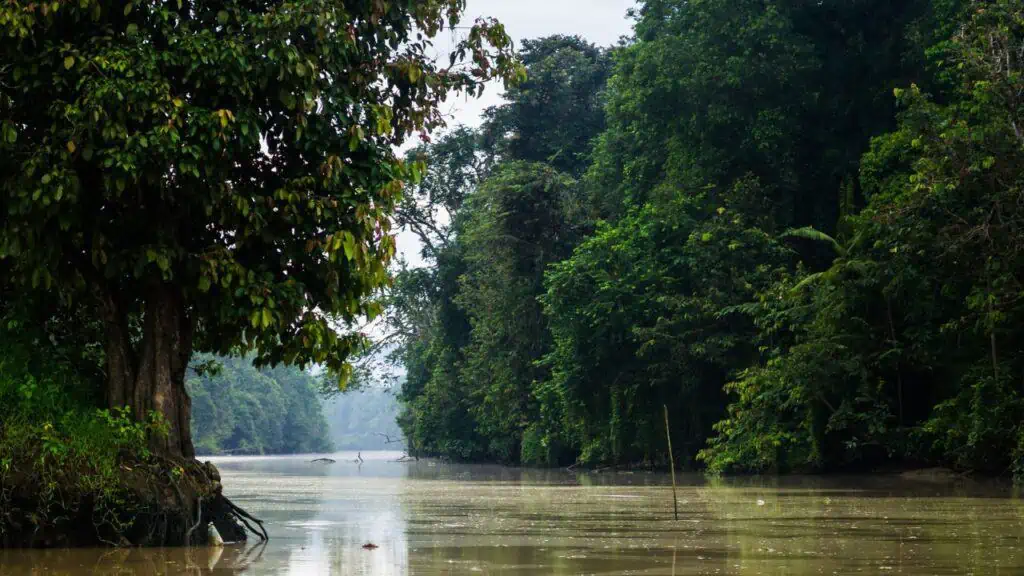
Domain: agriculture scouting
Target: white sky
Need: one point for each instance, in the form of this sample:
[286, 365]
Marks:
[602, 22]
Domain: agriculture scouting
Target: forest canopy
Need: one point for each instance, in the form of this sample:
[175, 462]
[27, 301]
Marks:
[796, 225]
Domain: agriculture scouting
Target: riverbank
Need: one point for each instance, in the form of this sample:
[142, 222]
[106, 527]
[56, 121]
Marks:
[72, 475]
[139, 501]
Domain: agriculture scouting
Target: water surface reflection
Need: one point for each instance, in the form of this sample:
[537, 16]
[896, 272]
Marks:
[434, 518]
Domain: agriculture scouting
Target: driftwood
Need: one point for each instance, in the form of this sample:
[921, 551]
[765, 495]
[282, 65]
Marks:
[324, 460]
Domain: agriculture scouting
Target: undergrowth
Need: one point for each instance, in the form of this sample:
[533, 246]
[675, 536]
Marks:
[62, 460]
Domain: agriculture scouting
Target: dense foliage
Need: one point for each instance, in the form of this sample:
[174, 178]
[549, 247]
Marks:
[239, 409]
[61, 457]
[795, 224]
[216, 176]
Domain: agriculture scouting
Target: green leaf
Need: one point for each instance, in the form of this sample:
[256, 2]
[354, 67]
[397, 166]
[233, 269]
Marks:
[204, 284]
[810, 279]
[222, 16]
[349, 243]
[809, 233]
[267, 318]
[69, 61]
[128, 8]
[344, 376]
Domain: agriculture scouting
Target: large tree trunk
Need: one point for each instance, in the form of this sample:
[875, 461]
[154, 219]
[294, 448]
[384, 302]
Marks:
[153, 377]
[118, 347]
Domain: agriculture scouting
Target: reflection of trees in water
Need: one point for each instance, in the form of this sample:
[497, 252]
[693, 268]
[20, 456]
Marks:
[431, 469]
[234, 559]
[231, 559]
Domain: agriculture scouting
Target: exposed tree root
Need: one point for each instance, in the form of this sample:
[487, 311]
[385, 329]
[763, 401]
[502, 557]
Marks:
[199, 517]
[244, 516]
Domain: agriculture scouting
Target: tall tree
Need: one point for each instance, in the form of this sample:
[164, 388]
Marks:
[516, 226]
[206, 175]
[494, 208]
[553, 115]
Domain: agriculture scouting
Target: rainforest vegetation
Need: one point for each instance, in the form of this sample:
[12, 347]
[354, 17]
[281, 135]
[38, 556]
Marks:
[185, 178]
[239, 409]
[798, 225]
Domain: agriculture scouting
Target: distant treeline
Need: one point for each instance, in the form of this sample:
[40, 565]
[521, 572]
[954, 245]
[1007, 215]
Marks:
[237, 409]
[798, 225]
[364, 420]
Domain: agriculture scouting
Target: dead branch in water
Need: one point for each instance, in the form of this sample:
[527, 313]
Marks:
[672, 464]
[388, 439]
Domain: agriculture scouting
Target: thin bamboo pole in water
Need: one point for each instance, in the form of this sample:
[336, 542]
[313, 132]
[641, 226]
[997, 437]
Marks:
[672, 464]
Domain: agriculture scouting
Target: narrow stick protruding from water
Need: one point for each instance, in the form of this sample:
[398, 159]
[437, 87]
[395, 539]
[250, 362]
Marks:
[672, 464]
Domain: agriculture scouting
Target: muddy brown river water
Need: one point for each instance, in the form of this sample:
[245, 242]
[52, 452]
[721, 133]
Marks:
[437, 518]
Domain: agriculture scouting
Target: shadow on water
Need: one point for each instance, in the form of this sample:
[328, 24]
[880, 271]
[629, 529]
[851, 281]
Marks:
[440, 518]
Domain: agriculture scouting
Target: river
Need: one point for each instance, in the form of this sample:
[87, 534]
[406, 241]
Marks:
[437, 518]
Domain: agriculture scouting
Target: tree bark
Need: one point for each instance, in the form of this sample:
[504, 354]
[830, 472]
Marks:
[153, 377]
[120, 361]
